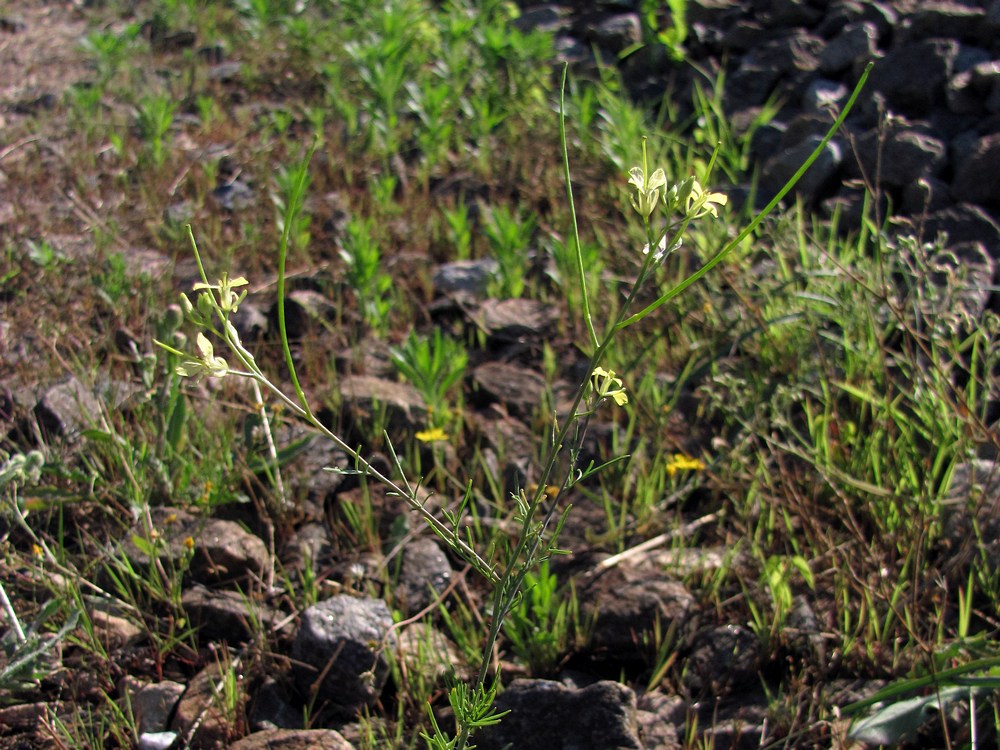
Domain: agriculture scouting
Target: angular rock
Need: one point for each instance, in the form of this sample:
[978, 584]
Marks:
[912, 77]
[153, 705]
[970, 91]
[933, 19]
[293, 739]
[616, 33]
[903, 156]
[464, 278]
[225, 615]
[546, 715]
[223, 552]
[854, 44]
[200, 713]
[360, 394]
[824, 95]
[67, 409]
[340, 645]
[520, 390]
[516, 319]
[425, 573]
[780, 168]
[977, 178]
[972, 516]
[965, 223]
[723, 658]
[660, 717]
[628, 602]
[271, 708]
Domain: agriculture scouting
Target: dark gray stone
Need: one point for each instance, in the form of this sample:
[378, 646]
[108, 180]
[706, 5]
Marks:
[546, 715]
[425, 573]
[233, 196]
[627, 602]
[519, 389]
[360, 394]
[464, 278]
[222, 552]
[723, 658]
[824, 95]
[933, 19]
[516, 319]
[912, 77]
[977, 177]
[272, 708]
[67, 409]
[965, 223]
[225, 615]
[778, 170]
[616, 33]
[339, 652]
[856, 43]
[901, 157]
[970, 91]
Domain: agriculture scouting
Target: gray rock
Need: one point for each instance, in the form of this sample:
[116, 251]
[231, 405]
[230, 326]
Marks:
[223, 551]
[200, 714]
[660, 717]
[977, 178]
[361, 394]
[723, 658]
[616, 33]
[425, 573]
[464, 278]
[970, 91]
[67, 408]
[225, 615]
[516, 319]
[824, 95]
[153, 705]
[779, 169]
[293, 739]
[546, 715]
[233, 196]
[628, 601]
[427, 653]
[339, 652]
[933, 19]
[520, 390]
[854, 44]
[912, 77]
[551, 19]
[902, 156]
[965, 223]
[971, 512]
[272, 709]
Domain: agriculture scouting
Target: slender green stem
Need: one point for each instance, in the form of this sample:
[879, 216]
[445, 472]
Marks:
[581, 271]
[293, 205]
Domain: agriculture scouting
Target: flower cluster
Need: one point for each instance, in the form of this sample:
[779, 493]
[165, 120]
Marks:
[606, 385]
[683, 202]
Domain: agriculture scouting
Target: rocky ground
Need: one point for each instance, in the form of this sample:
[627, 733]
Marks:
[929, 122]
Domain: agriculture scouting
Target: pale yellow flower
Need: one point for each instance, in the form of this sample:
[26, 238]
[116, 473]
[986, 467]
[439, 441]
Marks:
[433, 435]
[606, 385]
[647, 190]
[206, 364]
[229, 300]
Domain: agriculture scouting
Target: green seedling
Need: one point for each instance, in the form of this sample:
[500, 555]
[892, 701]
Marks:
[510, 235]
[434, 365]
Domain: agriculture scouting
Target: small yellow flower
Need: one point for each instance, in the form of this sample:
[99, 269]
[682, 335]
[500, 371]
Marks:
[206, 364]
[647, 186]
[189, 542]
[701, 202]
[680, 462]
[229, 300]
[606, 385]
[433, 435]
[37, 552]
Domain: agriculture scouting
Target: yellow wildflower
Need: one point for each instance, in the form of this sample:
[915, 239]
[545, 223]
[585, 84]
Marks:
[433, 435]
[606, 385]
[680, 462]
